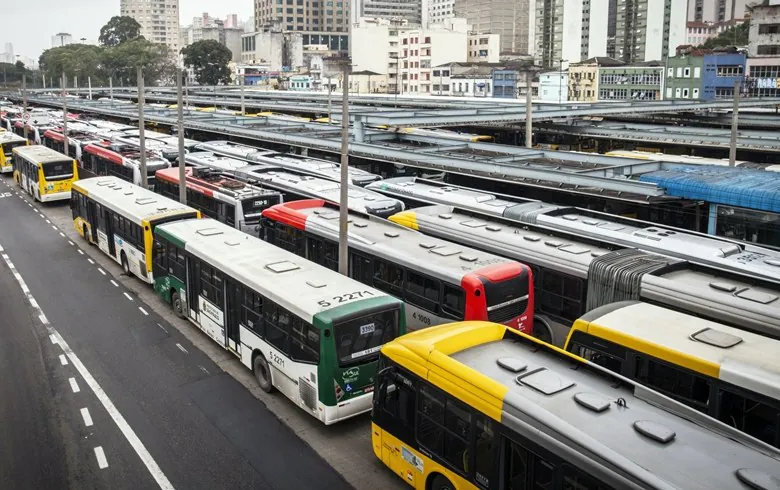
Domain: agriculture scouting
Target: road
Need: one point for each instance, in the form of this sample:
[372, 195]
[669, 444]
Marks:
[161, 412]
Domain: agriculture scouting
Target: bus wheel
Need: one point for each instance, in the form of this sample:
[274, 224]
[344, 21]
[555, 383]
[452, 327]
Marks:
[441, 483]
[125, 265]
[543, 332]
[178, 305]
[262, 373]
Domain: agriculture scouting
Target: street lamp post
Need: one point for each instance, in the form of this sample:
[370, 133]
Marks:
[141, 128]
[560, 80]
[180, 129]
[64, 113]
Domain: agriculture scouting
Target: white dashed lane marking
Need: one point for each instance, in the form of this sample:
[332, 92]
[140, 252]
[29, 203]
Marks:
[86, 416]
[102, 461]
[181, 348]
[63, 360]
[128, 297]
[143, 311]
[74, 385]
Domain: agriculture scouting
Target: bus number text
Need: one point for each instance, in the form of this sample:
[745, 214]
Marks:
[277, 359]
[343, 298]
[424, 319]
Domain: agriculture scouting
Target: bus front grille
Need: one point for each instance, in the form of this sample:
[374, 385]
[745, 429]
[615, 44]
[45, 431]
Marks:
[504, 313]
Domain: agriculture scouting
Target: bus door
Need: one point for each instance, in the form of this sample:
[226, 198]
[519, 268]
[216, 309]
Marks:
[193, 287]
[232, 308]
[92, 217]
[105, 231]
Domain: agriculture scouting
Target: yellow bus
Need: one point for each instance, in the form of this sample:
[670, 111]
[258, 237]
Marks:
[9, 141]
[730, 374]
[477, 405]
[45, 174]
[120, 217]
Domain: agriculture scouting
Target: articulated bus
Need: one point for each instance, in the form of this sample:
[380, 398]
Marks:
[477, 405]
[122, 161]
[295, 186]
[227, 200]
[575, 273]
[120, 217]
[310, 166]
[45, 174]
[727, 373]
[77, 140]
[439, 281]
[9, 141]
[304, 330]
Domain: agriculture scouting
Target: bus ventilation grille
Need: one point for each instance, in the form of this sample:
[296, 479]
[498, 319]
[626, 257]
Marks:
[308, 393]
[617, 276]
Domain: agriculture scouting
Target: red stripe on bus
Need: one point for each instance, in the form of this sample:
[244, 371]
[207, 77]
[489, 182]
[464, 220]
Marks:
[172, 175]
[288, 213]
[102, 152]
[53, 135]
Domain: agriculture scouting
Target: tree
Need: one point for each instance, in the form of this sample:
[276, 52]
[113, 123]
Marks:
[123, 60]
[733, 36]
[20, 66]
[118, 30]
[209, 59]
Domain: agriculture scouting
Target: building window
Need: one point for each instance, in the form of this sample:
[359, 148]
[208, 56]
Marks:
[730, 70]
[769, 28]
[687, 72]
[695, 93]
[670, 72]
[685, 93]
[768, 49]
[697, 72]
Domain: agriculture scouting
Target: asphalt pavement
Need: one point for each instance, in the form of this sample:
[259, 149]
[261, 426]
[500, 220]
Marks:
[163, 414]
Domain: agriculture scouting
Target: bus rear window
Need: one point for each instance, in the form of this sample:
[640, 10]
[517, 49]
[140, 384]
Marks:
[358, 340]
[58, 170]
[8, 148]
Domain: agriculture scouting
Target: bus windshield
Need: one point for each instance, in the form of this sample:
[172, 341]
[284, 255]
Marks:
[61, 170]
[358, 340]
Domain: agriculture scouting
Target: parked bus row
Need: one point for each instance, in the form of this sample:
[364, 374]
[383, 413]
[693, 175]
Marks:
[303, 329]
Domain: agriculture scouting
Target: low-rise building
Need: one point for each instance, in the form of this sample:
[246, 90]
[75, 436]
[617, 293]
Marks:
[483, 48]
[703, 74]
[763, 65]
[463, 79]
[554, 86]
[641, 81]
[584, 78]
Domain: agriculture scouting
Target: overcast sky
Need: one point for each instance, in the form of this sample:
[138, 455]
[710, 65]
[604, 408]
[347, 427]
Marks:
[29, 25]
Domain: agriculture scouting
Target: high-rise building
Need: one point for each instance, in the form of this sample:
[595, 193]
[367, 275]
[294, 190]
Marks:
[61, 39]
[436, 11]
[717, 10]
[231, 21]
[7, 56]
[227, 32]
[649, 29]
[159, 20]
[569, 31]
[511, 19]
[303, 15]
[408, 10]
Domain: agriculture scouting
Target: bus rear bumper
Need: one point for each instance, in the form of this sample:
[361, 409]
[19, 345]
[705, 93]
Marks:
[6, 170]
[56, 196]
[348, 409]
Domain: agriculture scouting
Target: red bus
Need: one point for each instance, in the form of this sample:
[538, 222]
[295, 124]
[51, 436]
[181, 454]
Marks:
[439, 281]
[230, 201]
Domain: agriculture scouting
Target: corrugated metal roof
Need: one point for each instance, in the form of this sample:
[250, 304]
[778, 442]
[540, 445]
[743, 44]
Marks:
[743, 187]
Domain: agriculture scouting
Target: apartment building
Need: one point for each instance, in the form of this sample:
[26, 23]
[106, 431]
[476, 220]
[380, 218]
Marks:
[648, 30]
[554, 86]
[717, 10]
[584, 78]
[408, 10]
[303, 15]
[512, 20]
[159, 20]
[570, 31]
[763, 65]
[483, 48]
[422, 49]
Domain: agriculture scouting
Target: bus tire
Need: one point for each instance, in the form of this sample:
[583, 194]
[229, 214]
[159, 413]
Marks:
[440, 482]
[125, 264]
[262, 373]
[177, 305]
[543, 332]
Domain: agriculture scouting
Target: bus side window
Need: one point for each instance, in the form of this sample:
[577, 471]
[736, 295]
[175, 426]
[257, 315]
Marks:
[160, 256]
[525, 470]
[760, 420]
[576, 479]
[388, 277]
[277, 321]
[252, 312]
[485, 452]
[361, 267]
[423, 290]
[399, 399]
[454, 304]
[681, 384]
[599, 351]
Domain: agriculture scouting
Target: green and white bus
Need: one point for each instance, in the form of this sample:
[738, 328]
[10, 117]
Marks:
[303, 329]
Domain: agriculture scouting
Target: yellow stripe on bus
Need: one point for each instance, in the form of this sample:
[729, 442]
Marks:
[638, 344]
[406, 218]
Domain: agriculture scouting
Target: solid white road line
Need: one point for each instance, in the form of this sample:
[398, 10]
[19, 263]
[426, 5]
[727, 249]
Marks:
[181, 348]
[63, 360]
[74, 385]
[151, 465]
[101, 458]
[86, 416]
[128, 297]
[143, 311]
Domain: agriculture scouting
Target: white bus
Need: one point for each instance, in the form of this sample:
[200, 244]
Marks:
[121, 161]
[230, 201]
[119, 218]
[307, 331]
[45, 174]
